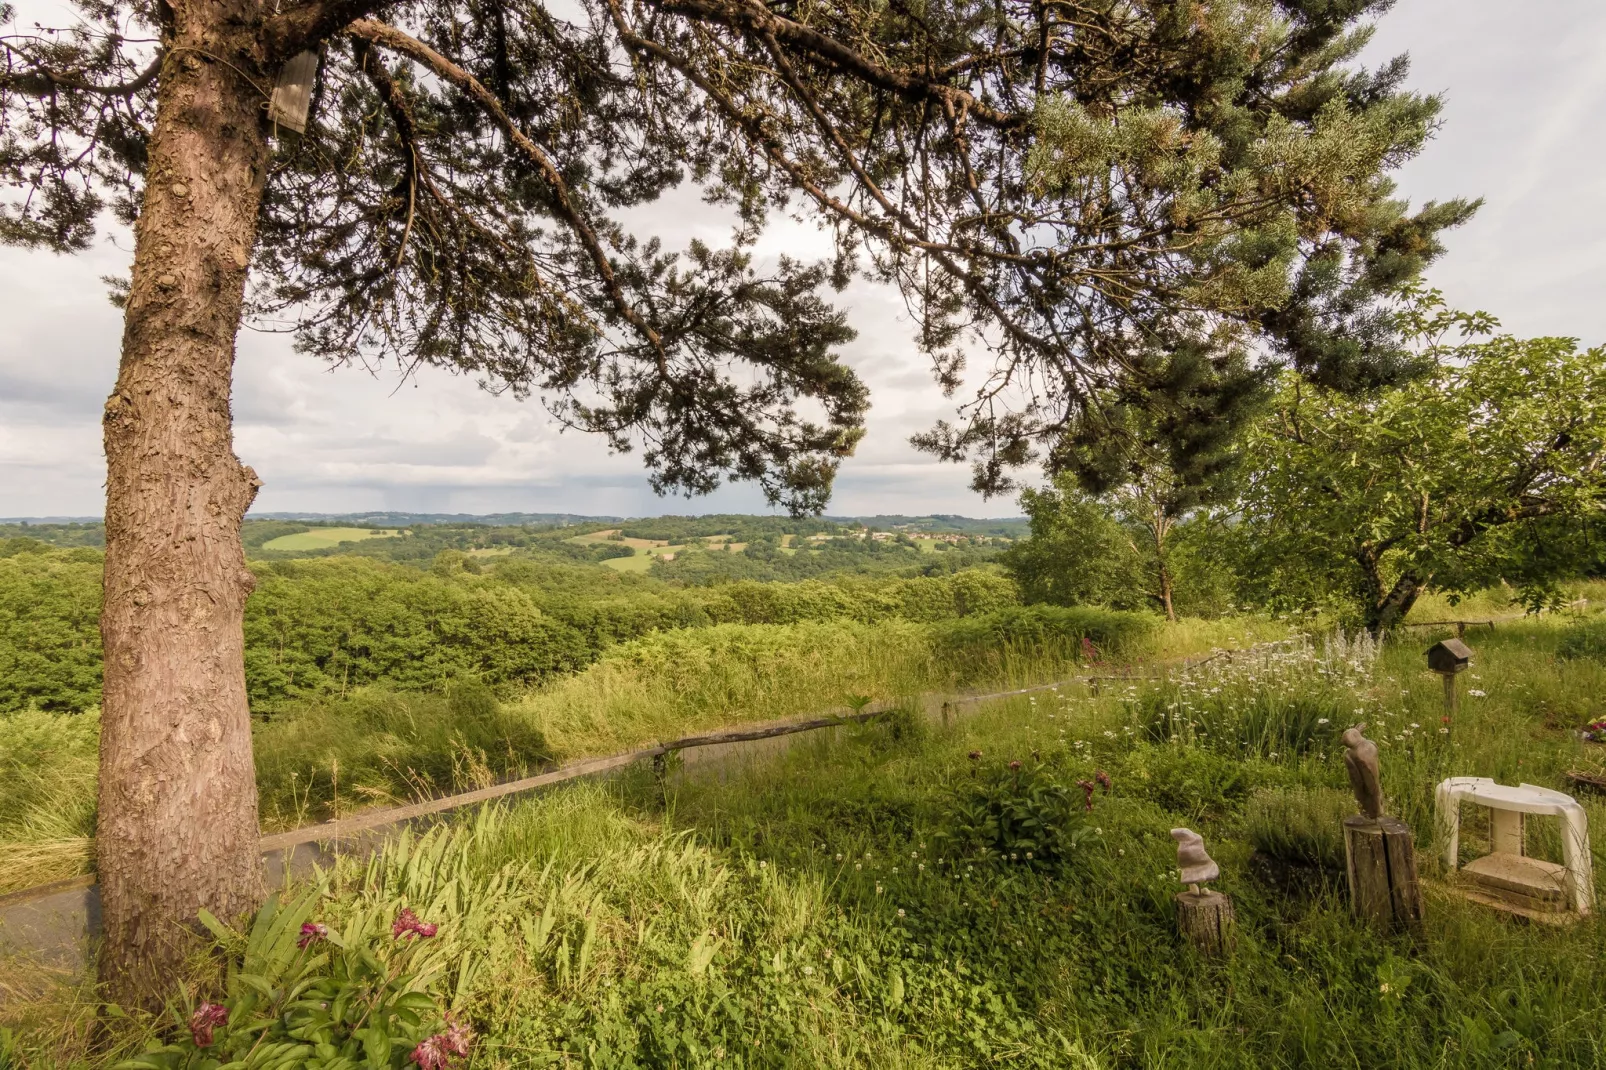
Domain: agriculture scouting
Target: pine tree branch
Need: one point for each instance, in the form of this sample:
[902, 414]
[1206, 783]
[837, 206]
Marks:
[401, 115]
[888, 230]
[390, 37]
[754, 18]
[309, 25]
[38, 80]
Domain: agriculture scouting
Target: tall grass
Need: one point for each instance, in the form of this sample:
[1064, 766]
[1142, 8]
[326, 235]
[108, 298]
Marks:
[1300, 825]
[384, 747]
[377, 746]
[47, 796]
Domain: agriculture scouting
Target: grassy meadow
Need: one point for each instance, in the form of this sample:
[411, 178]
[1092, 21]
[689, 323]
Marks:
[837, 904]
[324, 538]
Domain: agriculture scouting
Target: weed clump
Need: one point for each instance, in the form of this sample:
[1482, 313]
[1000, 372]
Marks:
[1583, 641]
[1300, 826]
[381, 746]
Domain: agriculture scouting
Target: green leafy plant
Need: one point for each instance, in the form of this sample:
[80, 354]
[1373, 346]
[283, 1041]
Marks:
[1020, 811]
[1197, 783]
[304, 994]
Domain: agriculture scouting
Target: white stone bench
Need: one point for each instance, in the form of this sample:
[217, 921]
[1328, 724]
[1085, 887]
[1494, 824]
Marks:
[1507, 869]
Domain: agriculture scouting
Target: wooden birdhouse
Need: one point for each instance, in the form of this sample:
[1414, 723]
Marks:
[1449, 657]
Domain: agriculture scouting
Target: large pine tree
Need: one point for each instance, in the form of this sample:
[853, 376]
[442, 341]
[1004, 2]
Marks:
[1058, 187]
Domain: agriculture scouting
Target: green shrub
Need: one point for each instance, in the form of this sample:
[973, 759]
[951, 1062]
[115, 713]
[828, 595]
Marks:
[1019, 811]
[903, 723]
[377, 745]
[1300, 825]
[1191, 781]
[303, 994]
[49, 627]
[319, 628]
[1583, 641]
[974, 645]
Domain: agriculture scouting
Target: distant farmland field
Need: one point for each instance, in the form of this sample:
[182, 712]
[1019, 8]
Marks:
[323, 538]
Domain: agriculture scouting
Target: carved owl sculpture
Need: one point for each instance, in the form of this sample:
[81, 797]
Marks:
[1360, 759]
[1195, 866]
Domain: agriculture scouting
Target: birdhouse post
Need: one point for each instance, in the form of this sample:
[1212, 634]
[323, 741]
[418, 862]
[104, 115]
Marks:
[1449, 658]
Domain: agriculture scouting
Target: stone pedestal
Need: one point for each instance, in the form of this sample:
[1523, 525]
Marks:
[1381, 858]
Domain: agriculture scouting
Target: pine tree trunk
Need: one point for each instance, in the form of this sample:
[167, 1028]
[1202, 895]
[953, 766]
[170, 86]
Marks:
[178, 809]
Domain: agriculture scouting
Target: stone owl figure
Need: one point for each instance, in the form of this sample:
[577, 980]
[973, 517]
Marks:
[1195, 866]
[1360, 759]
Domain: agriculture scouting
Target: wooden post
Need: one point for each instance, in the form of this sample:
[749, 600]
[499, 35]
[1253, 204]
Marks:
[660, 776]
[1381, 859]
[1205, 920]
[1452, 702]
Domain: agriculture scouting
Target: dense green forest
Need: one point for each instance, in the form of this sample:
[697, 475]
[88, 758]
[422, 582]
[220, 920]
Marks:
[329, 624]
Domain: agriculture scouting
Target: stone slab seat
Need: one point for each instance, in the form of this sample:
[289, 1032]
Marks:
[1507, 868]
[1528, 882]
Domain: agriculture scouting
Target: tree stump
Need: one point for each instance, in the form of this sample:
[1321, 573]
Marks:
[1381, 860]
[1205, 920]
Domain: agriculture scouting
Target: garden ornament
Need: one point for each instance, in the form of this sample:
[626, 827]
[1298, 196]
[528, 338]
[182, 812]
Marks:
[1360, 758]
[1195, 866]
[1508, 873]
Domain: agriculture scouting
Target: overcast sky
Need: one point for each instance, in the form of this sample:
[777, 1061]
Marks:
[1525, 89]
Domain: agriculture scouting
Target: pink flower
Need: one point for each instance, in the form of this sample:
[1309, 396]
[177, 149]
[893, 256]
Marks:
[1104, 780]
[407, 922]
[458, 1038]
[1015, 765]
[1087, 793]
[311, 933]
[437, 1052]
[431, 1053]
[1090, 651]
[207, 1017]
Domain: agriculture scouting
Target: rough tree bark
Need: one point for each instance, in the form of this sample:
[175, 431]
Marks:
[1387, 607]
[1165, 592]
[178, 808]
[1392, 607]
[1160, 531]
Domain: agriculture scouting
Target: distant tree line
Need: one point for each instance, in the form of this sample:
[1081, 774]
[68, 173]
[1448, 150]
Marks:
[316, 628]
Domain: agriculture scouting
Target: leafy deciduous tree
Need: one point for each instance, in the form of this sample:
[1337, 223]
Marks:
[1447, 480]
